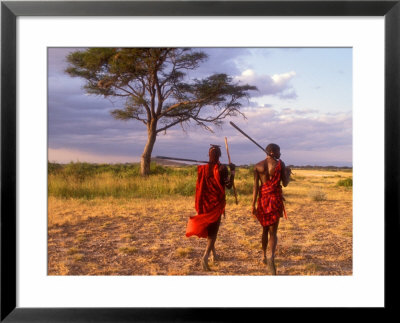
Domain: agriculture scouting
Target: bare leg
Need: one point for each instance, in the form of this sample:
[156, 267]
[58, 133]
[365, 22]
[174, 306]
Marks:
[273, 240]
[214, 232]
[264, 243]
[204, 260]
[212, 237]
[214, 253]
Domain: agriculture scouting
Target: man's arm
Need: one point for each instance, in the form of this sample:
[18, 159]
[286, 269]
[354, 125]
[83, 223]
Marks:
[285, 174]
[229, 183]
[255, 189]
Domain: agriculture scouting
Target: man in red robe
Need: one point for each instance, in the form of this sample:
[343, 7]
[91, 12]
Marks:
[271, 172]
[212, 179]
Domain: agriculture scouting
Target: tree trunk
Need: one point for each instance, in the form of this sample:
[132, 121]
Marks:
[148, 149]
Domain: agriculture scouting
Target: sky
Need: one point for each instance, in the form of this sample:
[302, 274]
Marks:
[303, 104]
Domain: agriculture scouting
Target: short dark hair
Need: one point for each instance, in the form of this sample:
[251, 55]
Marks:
[272, 148]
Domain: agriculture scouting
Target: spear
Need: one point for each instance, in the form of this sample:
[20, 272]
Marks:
[229, 159]
[244, 134]
[184, 159]
[247, 136]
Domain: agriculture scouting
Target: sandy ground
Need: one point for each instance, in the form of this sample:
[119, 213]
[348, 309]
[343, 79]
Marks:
[147, 237]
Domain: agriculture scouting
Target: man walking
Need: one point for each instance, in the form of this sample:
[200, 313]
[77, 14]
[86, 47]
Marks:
[212, 179]
[270, 172]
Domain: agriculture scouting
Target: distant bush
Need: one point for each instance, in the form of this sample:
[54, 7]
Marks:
[185, 188]
[82, 171]
[53, 168]
[317, 195]
[243, 188]
[89, 181]
[249, 170]
[347, 182]
[183, 171]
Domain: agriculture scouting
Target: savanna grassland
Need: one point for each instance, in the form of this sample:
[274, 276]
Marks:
[108, 220]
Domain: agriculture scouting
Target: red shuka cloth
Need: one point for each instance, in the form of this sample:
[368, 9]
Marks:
[209, 201]
[270, 200]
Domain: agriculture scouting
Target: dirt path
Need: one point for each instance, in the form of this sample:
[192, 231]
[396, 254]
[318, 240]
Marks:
[148, 238]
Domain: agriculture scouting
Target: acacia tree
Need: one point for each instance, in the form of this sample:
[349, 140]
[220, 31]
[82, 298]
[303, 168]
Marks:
[156, 89]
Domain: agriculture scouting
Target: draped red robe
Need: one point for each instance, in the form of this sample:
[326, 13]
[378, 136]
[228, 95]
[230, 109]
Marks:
[270, 200]
[209, 201]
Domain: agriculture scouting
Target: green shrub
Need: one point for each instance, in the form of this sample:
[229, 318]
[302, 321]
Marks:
[347, 182]
[54, 168]
[88, 181]
[185, 188]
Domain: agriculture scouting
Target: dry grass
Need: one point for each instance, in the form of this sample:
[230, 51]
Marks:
[118, 236]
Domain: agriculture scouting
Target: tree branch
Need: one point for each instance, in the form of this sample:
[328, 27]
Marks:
[160, 98]
[173, 124]
[179, 104]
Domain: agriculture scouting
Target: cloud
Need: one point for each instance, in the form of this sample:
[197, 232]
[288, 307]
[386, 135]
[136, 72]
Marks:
[57, 59]
[259, 113]
[282, 79]
[305, 138]
[277, 84]
[288, 95]
[228, 61]
[302, 112]
[311, 133]
[74, 155]
[81, 127]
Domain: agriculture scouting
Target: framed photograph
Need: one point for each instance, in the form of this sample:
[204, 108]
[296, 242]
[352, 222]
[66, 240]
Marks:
[73, 205]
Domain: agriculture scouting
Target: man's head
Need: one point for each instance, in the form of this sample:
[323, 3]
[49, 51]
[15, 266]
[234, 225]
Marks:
[273, 150]
[214, 153]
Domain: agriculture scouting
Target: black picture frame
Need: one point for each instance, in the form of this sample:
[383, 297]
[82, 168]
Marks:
[10, 10]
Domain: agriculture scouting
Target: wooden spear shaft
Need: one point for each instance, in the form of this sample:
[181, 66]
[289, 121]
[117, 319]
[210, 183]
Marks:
[185, 159]
[229, 159]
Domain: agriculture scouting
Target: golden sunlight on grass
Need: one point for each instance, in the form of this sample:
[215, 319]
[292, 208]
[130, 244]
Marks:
[146, 236]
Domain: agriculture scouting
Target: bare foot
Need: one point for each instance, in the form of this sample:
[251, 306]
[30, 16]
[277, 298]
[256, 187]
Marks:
[214, 254]
[271, 267]
[215, 257]
[204, 264]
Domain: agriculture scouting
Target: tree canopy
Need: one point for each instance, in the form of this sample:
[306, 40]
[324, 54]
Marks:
[157, 89]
